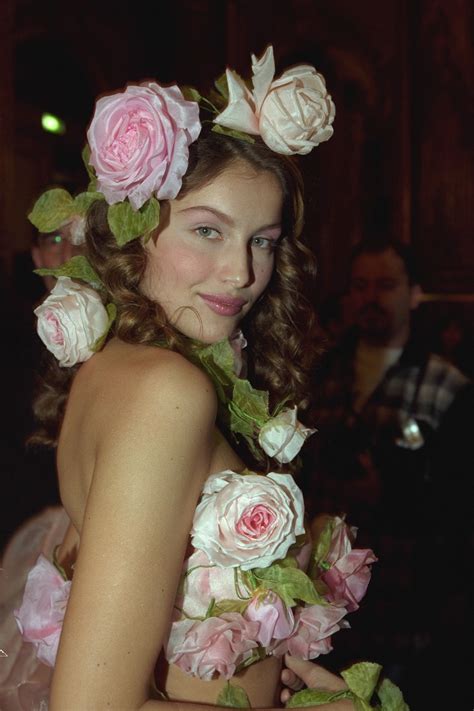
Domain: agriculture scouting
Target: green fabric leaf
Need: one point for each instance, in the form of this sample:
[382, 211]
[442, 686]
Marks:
[362, 678]
[391, 697]
[291, 584]
[191, 94]
[234, 696]
[233, 133]
[86, 155]
[316, 697]
[321, 548]
[361, 704]
[83, 201]
[126, 224]
[77, 267]
[112, 313]
[222, 86]
[52, 209]
[218, 608]
[249, 407]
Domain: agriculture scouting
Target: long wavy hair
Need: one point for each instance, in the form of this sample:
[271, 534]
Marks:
[281, 328]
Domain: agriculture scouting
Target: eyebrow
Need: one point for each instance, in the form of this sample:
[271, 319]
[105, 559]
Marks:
[222, 216]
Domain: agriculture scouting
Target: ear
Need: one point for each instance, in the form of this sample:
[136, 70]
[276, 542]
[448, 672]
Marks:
[36, 257]
[416, 296]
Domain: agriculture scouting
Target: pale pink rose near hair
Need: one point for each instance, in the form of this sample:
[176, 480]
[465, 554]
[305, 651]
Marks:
[248, 520]
[349, 578]
[40, 617]
[204, 582]
[313, 628]
[283, 436]
[215, 646]
[275, 618]
[292, 114]
[70, 320]
[139, 141]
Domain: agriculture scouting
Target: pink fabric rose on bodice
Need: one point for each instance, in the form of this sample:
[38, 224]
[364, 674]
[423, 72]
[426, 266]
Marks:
[204, 581]
[42, 610]
[213, 646]
[139, 141]
[349, 573]
[274, 617]
[312, 631]
[248, 520]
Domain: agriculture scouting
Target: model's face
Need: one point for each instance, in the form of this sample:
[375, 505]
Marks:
[214, 253]
[381, 298]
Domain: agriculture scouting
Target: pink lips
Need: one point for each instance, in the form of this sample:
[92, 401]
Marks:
[223, 305]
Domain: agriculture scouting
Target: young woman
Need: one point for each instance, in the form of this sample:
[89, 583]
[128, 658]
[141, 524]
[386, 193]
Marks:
[191, 235]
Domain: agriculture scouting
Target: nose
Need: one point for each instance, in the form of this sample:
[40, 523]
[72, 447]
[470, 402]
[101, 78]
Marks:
[236, 267]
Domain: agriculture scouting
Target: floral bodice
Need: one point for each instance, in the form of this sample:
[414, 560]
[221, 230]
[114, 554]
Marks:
[254, 584]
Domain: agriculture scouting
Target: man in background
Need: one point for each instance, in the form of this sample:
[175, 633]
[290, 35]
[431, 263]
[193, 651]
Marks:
[393, 452]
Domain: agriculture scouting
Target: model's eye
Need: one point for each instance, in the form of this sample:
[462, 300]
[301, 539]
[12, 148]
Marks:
[264, 242]
[207, 232]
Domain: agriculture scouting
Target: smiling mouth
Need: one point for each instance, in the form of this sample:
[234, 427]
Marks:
[223, 305]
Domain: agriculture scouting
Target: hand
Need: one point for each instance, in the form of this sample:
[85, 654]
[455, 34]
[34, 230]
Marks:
[299, 673]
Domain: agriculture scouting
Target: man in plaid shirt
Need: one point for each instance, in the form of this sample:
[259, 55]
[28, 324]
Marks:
[393, 451]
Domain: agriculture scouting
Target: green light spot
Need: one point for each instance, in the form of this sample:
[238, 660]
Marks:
[57, 239]
[53, 124]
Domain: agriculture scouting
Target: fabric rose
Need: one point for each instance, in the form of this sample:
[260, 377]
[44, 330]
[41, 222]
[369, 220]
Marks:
[40, 617]
[349, 574]
[275, 618]
[215, 646]
[139, 141]
[292, 114]
[202, 582]
[312, 632]
[349, 578]
[283, 436]
[70, 320]
[248, 520]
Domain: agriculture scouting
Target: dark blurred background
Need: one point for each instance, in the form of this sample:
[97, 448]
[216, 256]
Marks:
[400, 162]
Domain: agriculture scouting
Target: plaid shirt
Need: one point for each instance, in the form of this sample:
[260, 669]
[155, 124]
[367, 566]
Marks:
[407, 503]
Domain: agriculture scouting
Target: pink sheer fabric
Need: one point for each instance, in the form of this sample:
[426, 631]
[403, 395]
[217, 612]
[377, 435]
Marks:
[24, 680]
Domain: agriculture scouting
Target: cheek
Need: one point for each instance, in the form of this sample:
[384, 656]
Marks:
[263, 274]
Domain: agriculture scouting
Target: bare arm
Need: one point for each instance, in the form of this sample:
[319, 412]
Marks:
[152, 459]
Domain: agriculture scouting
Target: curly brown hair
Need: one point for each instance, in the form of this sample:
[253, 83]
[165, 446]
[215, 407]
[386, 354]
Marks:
[281, 328]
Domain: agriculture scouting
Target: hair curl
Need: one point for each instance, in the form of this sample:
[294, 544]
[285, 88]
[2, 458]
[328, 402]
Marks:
[281, 327]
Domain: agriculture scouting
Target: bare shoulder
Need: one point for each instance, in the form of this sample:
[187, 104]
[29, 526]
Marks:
[142, 380]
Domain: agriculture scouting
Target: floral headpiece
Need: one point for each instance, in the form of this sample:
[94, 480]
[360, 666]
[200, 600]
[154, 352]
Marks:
[137, 154]
[138, 140]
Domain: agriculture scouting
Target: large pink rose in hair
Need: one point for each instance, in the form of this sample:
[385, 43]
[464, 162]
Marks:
[139, 141]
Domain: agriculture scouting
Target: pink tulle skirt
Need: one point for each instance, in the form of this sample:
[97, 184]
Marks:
[24, 680]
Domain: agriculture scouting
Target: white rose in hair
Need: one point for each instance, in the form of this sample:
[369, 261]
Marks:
[70, 320]
[292, 114]
[283, 436]
[248, 520]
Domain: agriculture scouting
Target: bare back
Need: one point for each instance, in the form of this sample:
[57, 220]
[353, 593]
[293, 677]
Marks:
[106, 400]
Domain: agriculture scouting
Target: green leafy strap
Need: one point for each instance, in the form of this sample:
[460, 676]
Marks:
[243, 408]
[363, 684]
